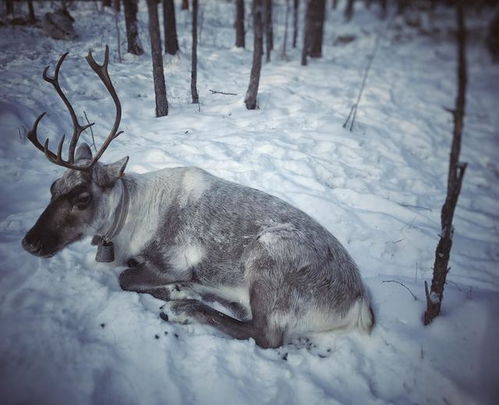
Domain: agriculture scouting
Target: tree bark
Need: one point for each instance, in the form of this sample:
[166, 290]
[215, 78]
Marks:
[239, 24]
[185, 4]
[132, 32]
[296, 7]
[157, 59]
[349, 8]
[317, 28]
[285, 38]
[269, 31]
[194, 75]
[31, 12]
[170, 27]
[117, 5]
[9, 7]
[455, 178]
[256, 67]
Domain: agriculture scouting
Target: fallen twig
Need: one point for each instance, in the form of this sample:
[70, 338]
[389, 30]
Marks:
[403, 285]
[222, 92]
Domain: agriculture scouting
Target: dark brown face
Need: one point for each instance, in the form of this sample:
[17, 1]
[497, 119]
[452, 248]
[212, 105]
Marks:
[66, 218]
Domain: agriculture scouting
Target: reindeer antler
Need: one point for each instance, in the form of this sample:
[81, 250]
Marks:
[78, 129]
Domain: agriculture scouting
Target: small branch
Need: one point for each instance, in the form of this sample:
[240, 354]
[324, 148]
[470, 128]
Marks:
[403, 285]
[222, 92]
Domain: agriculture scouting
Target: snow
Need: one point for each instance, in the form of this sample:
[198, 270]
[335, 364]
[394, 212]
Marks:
[70, 335]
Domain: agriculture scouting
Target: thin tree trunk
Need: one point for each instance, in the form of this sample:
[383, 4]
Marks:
[185, 4]
[9, 6]
[256, 67]
[316, 28]
[306, 34]
[194, 74]
[106, 3]
[239, 24]
[455, 179]
[170, 27]
[349, 8]
[132, 32]
[269, 32]
[296, 7]
[118, 39]
[334, 4]
[157, 59]
[285, 39]
[31, 12]
[117, 5]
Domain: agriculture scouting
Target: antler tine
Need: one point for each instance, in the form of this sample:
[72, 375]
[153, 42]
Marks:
[102, 72]
[78, 129]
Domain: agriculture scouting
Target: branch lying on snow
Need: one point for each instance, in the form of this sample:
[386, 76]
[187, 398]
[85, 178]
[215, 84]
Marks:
[403, 285]
[222, 92]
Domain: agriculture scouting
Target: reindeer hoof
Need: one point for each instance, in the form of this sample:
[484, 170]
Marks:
[171, 312]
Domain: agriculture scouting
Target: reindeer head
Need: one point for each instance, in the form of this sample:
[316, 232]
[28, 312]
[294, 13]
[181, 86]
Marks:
[77, 197]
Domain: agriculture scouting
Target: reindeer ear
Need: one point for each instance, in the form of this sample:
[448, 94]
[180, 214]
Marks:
[83, 152]
[107, 175]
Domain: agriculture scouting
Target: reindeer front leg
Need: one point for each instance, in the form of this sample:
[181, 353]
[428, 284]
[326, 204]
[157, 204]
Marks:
[145, 278]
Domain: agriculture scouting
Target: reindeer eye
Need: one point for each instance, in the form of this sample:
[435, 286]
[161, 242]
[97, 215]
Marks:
[83, 200]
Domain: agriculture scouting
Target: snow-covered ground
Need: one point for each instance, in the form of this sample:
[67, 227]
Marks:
[68, 334]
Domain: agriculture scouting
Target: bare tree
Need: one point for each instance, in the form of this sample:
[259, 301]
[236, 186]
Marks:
[170, 27]
[314, 30]
[349, 8]
[285, 38]
[256, 67]
[9, 6]
[31, 12]
[239, 24]
[194, 75]
[296, 7]
[132, 32]
[157, 59]
[454, 181]
[269, 30]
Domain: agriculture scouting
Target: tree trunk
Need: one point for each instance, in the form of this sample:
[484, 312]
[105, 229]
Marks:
[117, 5]
[316, 27]
[296, 7]
[455, 178]
[9, 6]
[106, 3]
[306, 34]
[170, 27]
[157, 59]
[285, 39]
[269, 32]
[256, 67]
[334, 4]
[194, 75]
[132, 33]
[31, 12]
[384, 8]
[349, 10]
[185, 4]
[239, 24]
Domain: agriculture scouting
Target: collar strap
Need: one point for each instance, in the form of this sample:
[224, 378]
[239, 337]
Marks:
[120, 215]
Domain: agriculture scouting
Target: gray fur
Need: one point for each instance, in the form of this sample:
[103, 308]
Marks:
[278, 271]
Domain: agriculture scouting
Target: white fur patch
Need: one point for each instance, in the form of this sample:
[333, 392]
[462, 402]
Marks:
[194, 184]
[183, 257]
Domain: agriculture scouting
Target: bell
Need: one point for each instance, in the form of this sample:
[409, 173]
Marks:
[105, 252]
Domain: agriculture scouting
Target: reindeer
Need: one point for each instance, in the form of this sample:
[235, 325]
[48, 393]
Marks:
[191, 239]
